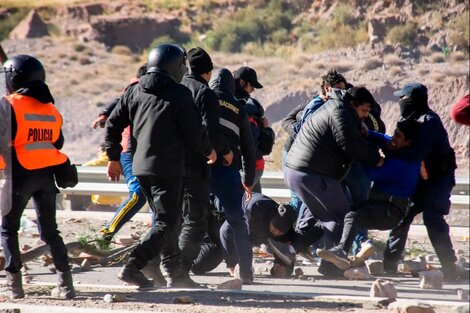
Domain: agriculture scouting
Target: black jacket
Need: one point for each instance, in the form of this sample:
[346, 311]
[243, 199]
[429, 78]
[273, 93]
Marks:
[260, 211]
[207, 105]
[164, 124]
[328, 143]
[235, 124]
[8, 128]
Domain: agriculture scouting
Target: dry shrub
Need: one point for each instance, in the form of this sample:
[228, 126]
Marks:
[393, 60]
[372, 63]
[424, 51]
[437, 58]
[437, 77]
[458, 56]
[320, 65]
[342, 66]
[300, 60]
[84, 60]
[395, 71]
[121, 50]
[423, 72]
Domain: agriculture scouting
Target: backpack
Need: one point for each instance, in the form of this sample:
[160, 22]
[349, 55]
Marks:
[266, 140]
[266, 134]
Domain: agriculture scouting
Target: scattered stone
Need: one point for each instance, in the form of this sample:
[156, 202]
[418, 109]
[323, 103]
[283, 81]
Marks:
[375, 267]
[431, 279]
[86, 266]
[312, 279]
[383, 289]
[108, 298]
[124, 240]
[230, 284]
[88, 256]
[303, 277]
[183, 300]
[119, 298]
[357, 273]
[298, 271]
[462, 294]
[410, 307]
[416, 265]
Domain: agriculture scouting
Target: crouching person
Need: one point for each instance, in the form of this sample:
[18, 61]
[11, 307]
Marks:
[269, 223]
[30, 140]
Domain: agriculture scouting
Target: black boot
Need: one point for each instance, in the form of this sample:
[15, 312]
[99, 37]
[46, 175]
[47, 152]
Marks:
[152, 271]
[14, 285]
[64, 289]
[132, 275]
[179, 278]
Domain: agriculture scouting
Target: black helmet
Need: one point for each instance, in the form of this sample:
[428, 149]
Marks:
[21, 70]
[169, 60]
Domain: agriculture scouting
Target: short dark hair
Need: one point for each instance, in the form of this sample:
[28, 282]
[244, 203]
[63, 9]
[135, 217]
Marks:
[142, 70]
[361, 95]
[332, 78]
[409, 127]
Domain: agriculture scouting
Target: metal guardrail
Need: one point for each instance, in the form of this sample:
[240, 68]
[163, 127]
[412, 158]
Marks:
[93, 180]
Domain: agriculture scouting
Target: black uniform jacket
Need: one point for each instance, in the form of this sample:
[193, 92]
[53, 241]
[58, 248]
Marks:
[164, 124]
[235, 124]
[207, 105]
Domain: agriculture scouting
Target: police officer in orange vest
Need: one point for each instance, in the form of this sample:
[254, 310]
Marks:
[30, 139]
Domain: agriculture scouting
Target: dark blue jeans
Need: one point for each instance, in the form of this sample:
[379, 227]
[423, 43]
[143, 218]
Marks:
[324, 197]
[295, 201]
[132, 204]
[227, 187]
[432, 199]
[42, 189]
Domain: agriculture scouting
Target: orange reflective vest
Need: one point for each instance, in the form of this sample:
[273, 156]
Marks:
[38, 127]
[2, 163]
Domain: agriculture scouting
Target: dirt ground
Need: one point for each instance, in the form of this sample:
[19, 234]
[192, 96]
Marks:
[207, 301]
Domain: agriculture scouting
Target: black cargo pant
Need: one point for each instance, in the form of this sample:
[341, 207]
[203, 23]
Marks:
[15, 196]
[432, 199]
[196, 208]
[374, 214]
[164, 196]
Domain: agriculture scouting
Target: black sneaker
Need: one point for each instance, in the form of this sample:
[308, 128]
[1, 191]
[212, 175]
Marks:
[283, 251]
[133, 276]
[336, 256]
[248, 280]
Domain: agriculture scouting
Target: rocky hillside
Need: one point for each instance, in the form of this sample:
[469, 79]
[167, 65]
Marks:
[92, 49]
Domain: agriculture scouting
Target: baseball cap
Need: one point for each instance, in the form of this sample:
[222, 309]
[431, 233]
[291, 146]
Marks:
[412, 90]
[249, 75]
